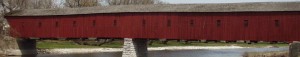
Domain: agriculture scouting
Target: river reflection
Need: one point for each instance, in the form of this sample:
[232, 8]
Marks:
[171, 53]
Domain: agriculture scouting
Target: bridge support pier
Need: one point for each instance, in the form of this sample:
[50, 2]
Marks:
[135, 48]
[27, 46]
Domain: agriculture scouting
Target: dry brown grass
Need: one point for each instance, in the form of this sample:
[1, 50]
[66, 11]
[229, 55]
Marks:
[267, 54]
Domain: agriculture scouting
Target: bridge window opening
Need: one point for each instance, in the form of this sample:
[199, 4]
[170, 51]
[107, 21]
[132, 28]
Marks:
[246, 23]
[40, 24]
[115, 23]
[94, 23]
[144, 22]
[169, 23]
[74, 24]
[56, 24]
[218, 23]
[277, 23]
[192, 22]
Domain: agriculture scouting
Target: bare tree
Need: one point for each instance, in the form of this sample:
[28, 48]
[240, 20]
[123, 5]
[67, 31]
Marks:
[88, 3]
[81, 3]
[58, 3]
[31, 4]
[43, 4]
[4, 9]
[131, 2]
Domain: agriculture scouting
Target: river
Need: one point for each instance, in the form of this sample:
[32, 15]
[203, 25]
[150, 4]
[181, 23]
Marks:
[173, 53]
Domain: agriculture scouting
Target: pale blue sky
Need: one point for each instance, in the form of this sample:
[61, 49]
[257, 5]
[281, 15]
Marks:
[222, 1]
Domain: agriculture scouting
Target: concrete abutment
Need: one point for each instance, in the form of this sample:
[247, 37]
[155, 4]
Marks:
[135, 47]
[14, 47]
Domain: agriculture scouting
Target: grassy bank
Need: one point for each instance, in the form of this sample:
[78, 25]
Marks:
[119, 44]
[174, 43]
[266, 54]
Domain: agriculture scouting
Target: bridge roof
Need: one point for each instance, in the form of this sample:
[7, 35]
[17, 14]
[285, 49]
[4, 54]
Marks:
[222, 7]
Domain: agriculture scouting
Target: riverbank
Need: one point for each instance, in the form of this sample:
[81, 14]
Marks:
[53, 44]
[267, 54]
[97, 50]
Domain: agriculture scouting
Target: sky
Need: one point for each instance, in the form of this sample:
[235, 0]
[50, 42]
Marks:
[222, 1]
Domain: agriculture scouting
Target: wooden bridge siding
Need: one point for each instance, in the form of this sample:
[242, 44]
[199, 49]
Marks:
[236, 21]
[26, 25]
[293, 22]
[261, 26]
[131, 25]
[189, 25]
[275, 33]
[199, 27]
[150, 28]
[15, 31]
[251, 32]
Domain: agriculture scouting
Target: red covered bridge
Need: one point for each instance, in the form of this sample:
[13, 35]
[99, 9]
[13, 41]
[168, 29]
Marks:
[230, 22]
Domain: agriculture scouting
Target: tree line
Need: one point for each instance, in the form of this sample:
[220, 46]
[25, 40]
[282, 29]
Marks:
[44, 4]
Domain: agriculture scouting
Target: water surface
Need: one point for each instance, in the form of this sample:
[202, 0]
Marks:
[171, 53]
